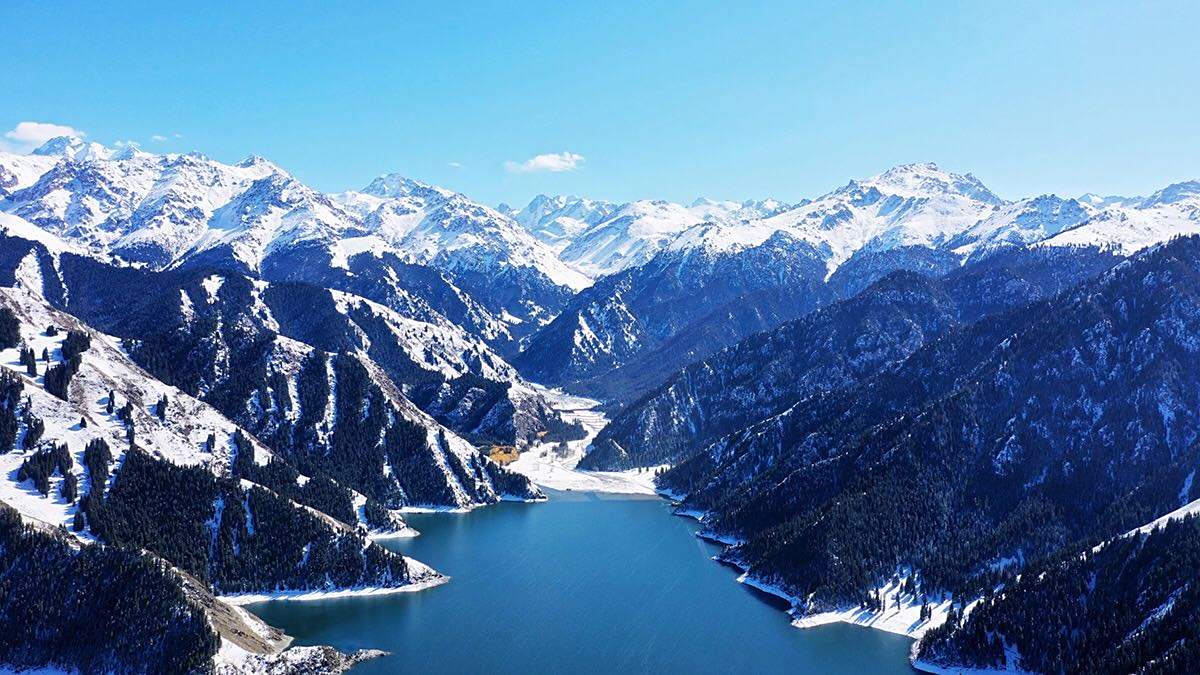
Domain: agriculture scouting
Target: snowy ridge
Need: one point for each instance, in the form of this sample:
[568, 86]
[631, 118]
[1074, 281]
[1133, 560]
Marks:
[1127, 229]
[914, 204]
[601, 238]
[436, 345]
[430, 225]
[556, 221]
[20, 171]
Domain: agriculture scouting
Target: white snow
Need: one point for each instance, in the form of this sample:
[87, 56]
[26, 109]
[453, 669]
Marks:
[300, 596]
[212, 285]
[1181, 512]
[904, 619]
[19, 227]
[546, 468]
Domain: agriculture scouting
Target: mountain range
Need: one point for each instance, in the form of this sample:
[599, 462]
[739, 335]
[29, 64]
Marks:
[907, 392]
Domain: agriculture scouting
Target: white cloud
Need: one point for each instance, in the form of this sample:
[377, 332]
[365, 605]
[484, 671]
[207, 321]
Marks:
[456, 165]
[27, 136]
[554, 162]
[158, 138]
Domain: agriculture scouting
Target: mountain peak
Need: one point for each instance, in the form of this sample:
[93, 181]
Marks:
[128, 151]
[924, 179]
[72, 147]
[253, 160]
[1173, 193]
[395, 186]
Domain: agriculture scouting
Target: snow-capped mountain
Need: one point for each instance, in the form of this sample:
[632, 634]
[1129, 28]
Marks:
[1022, 222]
[600, 238]
[1130, 227]
[556, 221]
[709, 284]
[20, 171]
[716, 211]
[75, 148]
[628, 238]
[909, 205]
[432, 225]
[181, 210]
[161, 210]
[517, 278]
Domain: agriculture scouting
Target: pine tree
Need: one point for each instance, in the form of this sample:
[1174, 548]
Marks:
[161, 408]
[10, 328]
[112, 398]
[29, 360]
[70, 487]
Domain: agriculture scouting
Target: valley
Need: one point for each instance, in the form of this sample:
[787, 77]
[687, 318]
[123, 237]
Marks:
[590, 583]
[553, 465]
[549, 437]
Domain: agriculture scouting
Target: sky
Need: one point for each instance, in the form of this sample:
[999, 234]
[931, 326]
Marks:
[617, 100]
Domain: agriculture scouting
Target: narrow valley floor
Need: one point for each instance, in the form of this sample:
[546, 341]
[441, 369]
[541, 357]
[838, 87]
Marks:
[547, 466]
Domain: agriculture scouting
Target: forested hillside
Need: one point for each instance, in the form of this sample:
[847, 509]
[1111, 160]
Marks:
[1016, 437]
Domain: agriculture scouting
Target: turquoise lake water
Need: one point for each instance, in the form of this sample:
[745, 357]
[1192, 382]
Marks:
[583, 583]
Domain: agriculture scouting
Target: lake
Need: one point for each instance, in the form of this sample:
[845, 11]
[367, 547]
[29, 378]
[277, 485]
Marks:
[584, 583]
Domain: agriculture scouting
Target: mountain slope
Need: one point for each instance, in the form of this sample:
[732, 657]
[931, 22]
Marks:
[1127, 228]
[1132, 605]
[633, 314]
[828, 349]
[556, 221]
[632, 234]
[224, 338]
[1012, 438]
[92, 444]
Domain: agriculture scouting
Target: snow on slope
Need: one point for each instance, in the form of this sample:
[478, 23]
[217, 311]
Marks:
[636, 231]
[434, 344]
[1022, 222]
[630, 237]
[20, 171]
[159, 208]
[908, 205]
[556, 221]
[105, 368]
[913, 204]
[1128, 228]
[19, 227]
[431, 225]
[547, 465]
[164, 209]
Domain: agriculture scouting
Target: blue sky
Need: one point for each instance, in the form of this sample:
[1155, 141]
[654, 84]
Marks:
[652, 99]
